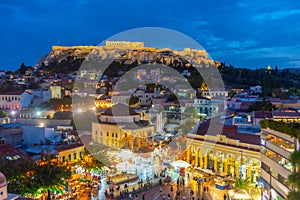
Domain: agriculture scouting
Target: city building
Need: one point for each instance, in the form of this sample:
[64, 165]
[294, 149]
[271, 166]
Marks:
[40, 96]
[33, 135]
[256, 89]
[231, 153]
[215, 93]
[208, 106]
[12, 132]
[121, 127]
[275, 167]
[56, 92]
[70, 152]
[15, 100]
[287, 117]
[145, 96]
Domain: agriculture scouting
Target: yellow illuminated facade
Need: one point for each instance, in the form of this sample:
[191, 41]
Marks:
[223, 155]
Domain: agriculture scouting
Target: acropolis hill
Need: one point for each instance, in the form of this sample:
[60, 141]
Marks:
[127, 51]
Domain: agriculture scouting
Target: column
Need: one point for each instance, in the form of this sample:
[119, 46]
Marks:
[249, 171]
[237, 168]
[201, 162]
[197, 159]
[205, 161]
[215, 163]
[188, 155]
[225, 165]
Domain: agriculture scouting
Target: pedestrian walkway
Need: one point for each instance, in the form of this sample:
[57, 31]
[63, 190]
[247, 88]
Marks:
[188, 190]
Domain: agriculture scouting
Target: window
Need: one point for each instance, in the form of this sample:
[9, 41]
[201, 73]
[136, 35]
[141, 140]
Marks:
[107, 134]
[96, 132]
[116, 135]
[75, 155]
[70, 157]
[265, 167]
[112, 135]
[63, 158]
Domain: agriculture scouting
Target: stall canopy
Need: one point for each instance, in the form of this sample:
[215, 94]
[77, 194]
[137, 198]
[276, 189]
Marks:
[239, 195]
[180, 164]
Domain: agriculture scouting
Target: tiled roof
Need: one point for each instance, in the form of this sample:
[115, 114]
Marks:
[262, 114]
[68, 147]
[12, 93]
[120, 110]
[7, 150]
[230, 132]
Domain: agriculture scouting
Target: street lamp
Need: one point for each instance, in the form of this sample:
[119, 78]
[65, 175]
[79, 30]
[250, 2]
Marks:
[241, 169]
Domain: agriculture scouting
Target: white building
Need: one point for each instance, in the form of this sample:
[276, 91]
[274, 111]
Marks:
[40, 96]
[276, 167]
[215, 93]
[36, 135]
[146, 96]
[256, 89]
[15, 100]
[208, 106]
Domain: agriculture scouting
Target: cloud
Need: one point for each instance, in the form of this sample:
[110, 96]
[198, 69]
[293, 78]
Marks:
[241, 44]
[275, 15]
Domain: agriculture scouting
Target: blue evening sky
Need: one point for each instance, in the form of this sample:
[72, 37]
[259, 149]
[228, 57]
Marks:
[244, 33]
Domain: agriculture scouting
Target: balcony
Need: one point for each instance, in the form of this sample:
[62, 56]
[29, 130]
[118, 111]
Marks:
[278, 187]
[277, 149]
[275, 166]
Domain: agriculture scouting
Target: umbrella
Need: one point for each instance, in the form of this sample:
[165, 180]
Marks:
[114, 163]
[180, 164]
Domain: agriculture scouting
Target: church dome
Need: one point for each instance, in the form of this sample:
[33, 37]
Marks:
[3, 181]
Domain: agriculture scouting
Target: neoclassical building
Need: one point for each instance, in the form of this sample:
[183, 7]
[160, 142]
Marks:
[121, 127]
[229, 153]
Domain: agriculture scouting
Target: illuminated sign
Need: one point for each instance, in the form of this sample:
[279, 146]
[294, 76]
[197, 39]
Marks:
[263, 142]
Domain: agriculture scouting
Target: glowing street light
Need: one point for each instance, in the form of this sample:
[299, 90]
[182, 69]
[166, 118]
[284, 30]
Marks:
[13, 112]
[38, 113]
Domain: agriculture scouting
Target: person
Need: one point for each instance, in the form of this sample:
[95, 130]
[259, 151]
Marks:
[160, 190]
[143, 197]
[164, 197]
[225, 196]
[130, 196]
[171, 188]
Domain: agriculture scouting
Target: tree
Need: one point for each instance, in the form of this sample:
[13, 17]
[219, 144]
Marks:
[261, 105]
[293, 195]
[231, 93]
[34, 86]
[63, 115]
[242, 184]
[172, 97]
[133, 100]
[3, 114]
[191, 111]
[188, 125]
